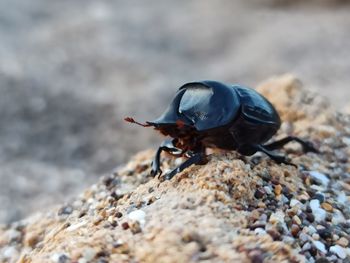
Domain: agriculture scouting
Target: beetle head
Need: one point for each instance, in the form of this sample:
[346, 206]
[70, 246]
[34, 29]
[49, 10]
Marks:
[170, 122]
[175, 130]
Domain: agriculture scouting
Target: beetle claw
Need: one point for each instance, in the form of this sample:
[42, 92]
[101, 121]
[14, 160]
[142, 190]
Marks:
[155, 172]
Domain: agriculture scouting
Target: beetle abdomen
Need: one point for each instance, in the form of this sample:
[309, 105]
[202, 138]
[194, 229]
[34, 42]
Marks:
[256, 108]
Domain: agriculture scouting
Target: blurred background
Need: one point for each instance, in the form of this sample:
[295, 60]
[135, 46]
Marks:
[70, 71]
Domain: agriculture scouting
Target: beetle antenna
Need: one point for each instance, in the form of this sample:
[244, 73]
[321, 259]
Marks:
[131, 120]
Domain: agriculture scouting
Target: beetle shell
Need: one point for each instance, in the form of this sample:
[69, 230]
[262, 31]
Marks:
[224, 116]
[206, 105]
[203, 105]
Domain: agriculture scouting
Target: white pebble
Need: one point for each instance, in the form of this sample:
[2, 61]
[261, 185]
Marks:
[342, 198]
[304, 237]
[319, 177]
[320, 246]
[284, 199]
[263, 218]
[9, 252]
[319, 213]
[259, 231]
[12, 235]
[339, 251]
[314, 204]
[76, 226]
[277, 217]
[338, 217]
[294, 202]
[346, 140]
[332, 258]
[268, 190]
[306, 246]
[138, 215]
[317, 188]
[288, 240]
[312, 229]
[89, 253]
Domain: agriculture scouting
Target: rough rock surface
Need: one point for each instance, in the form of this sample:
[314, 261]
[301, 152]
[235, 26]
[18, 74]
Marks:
[233, 209]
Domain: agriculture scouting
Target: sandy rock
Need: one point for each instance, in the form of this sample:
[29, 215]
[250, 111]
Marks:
[233, 209]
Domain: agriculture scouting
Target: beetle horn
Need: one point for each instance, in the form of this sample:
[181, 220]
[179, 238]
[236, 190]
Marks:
[131, 120]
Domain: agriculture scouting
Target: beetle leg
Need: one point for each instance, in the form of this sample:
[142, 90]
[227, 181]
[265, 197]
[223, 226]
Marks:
[277, 158]
[167, 146]
[307, 146]
[196, 158]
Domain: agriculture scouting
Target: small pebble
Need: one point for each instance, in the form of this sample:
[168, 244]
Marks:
[294, 230]
[325, 233]
[259, 193]
[312, 229]
[326, 206]
[265, 175]
[320, 246]
[278, 189]
[295, 202]
[343, 242]
[342, 198]
[259, 231]
[288, 240]
[284, 199]
[297, 220]
[261, 205]
[98, 219]
[274, 234]
[263, 218]
[310, 217]
[303, 237]
[268, 190]
[315, 236]
[89, 253]
[125, 225]
[319, 177]
[138, 215]
[337, 217]
[65, 210]
[314, 204]
[339, 251]
[9, 252]
[135, 227]
[13, 235]
[60, 258]
[332, 258]
[118, 214]
[319, 213]
[319, 196]
[256, 256]
[304, 197]
[306, 246]
[277, 217]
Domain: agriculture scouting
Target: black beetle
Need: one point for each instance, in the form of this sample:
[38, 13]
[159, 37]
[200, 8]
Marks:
[212, 114]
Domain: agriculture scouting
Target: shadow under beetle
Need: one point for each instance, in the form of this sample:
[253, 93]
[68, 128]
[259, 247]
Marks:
[212, 114]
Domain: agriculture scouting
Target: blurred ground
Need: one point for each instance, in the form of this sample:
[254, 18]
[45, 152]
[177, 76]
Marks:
[71, 70]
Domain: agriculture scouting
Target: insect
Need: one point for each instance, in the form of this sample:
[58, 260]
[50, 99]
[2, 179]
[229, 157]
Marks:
[216, 115]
